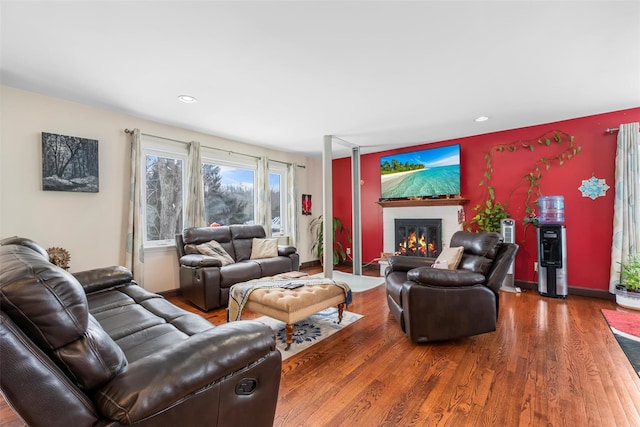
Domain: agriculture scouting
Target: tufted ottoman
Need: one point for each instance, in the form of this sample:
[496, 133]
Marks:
[292, 305]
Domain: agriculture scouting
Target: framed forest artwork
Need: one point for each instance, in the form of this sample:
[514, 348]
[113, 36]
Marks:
[69, 163]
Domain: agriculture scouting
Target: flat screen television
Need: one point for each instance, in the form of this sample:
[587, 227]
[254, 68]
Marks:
[428, 173]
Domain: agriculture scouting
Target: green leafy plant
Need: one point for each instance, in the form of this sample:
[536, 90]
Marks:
[317, 247]
[488, 215]
[630, 273]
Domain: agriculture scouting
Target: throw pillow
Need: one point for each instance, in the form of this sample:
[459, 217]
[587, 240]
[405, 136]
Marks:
[441, 264]
[215, 250]
[264, 248]
[450, 257]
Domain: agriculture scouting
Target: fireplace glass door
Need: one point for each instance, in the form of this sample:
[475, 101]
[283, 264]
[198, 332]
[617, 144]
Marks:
[418, 237]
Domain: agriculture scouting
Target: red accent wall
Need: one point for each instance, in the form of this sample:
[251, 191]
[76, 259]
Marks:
[589, 222]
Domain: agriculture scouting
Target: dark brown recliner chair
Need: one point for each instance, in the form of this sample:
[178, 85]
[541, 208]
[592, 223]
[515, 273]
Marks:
[435, 305]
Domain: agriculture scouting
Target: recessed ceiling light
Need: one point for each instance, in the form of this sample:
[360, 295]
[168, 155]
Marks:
[482, 119]
[187, 99]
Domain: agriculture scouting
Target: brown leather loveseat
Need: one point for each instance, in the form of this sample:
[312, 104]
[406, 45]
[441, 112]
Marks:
[95, 349]
[205, 280]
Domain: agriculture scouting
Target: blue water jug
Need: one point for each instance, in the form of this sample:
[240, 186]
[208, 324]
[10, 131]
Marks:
[551, 209]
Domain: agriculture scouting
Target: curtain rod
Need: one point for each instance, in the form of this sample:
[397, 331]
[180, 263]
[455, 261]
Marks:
[213, 148]
[611, 130]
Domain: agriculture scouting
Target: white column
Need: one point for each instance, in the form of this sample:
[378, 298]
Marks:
[356, 212]
[327, 208]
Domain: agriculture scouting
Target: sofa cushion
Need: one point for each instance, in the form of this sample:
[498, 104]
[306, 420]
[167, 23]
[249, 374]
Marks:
[449, 278]
[93, 359]
[143, 323]
[274, 265]
[215, 250]
[264, 248]
[199, 261]
[480, 249]
[242, 237]
[194, 236]
[50, 305]
[21, 241]
[239, 272]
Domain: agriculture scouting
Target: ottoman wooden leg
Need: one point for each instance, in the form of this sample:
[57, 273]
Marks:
[289, 329]
[340, 310]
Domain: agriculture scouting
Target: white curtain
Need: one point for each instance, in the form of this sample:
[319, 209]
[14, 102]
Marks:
[263, 211]
[135, 233]
[626, 209]
[292, 203]
[194, 212]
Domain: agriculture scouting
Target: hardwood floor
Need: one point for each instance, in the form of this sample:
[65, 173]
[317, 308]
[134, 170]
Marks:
[550, 363]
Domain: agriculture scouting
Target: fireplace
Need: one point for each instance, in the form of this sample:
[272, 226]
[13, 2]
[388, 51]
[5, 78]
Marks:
[418, 237]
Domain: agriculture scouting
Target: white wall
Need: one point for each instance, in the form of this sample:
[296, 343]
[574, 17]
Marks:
[92, 226]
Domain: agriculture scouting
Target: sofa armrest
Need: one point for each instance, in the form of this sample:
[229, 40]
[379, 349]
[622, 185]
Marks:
[103, 278]
[406, 263]
[159, 381]
[286, 250]
[442, 277]
[197, 260]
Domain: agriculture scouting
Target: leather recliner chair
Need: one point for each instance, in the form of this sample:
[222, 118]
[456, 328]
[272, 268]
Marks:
[433, 304]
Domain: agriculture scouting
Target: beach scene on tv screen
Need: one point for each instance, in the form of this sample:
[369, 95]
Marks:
[426, 173]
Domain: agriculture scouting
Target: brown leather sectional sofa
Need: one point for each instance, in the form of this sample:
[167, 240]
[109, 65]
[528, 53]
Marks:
[95, 349]
[205, 282]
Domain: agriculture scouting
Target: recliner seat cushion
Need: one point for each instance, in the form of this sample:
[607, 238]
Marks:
[273, 266]
[143, 323]
[239, 272]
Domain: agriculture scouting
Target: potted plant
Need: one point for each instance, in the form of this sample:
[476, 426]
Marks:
[317, 247]
[628, 291]
[488, 217]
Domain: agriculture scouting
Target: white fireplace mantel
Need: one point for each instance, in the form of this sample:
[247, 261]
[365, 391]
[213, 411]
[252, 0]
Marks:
[449, 214]
[403, 203]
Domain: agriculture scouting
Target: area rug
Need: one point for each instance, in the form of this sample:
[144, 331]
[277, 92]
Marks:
[626, 328]
[309, 331]
[356, 283]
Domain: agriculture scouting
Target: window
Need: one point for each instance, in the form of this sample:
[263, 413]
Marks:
[277, 180]
[163, 185]
[229, 196]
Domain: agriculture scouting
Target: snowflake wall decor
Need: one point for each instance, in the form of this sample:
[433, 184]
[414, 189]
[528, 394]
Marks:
[593, 187]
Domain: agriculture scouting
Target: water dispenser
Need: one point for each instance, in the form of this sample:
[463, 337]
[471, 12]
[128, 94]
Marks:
[552, 260]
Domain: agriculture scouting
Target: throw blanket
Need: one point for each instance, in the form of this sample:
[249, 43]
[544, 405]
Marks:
[239, 293]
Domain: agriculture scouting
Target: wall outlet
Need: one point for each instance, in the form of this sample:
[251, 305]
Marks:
[535, 266]
[348, 251]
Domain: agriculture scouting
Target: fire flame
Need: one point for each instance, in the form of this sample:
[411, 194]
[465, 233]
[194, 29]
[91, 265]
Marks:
[416, 245]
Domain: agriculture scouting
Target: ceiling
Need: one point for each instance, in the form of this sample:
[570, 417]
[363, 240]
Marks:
[282, 74]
